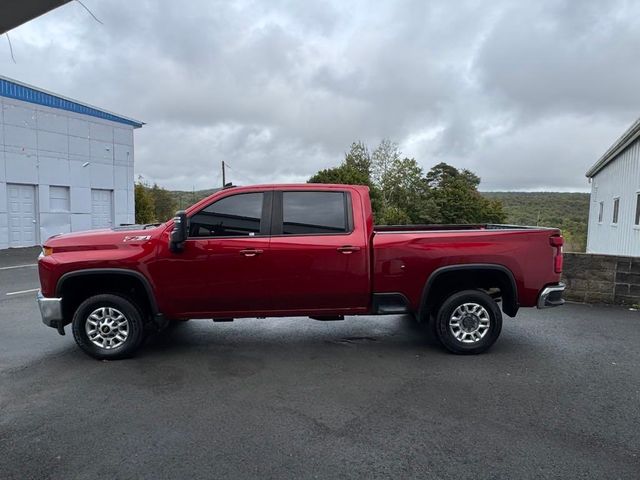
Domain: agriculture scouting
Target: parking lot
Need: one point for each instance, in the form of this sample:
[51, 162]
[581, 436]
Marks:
[557, 397]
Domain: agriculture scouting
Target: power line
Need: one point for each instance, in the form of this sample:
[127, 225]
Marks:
[10, 47]
[90, 12]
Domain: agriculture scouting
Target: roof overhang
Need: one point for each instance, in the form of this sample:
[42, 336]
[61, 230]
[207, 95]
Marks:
[16, 12]
[626, 139]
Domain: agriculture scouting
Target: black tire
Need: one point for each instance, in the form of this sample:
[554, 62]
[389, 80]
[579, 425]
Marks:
[127, 337]
[465, 334]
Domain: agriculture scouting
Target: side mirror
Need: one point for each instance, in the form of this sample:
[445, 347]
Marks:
[180, 232]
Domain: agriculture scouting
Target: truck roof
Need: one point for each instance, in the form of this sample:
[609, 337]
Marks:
[301, 186]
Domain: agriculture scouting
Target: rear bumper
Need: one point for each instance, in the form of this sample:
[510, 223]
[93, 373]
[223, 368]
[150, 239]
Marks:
[50, 310]
[551, 296]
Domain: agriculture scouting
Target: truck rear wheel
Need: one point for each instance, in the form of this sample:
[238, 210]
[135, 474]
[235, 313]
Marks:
[108, 327]
[468, 322]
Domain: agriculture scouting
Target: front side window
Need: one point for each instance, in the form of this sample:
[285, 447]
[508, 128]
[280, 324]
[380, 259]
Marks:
[234, 216]
[319, 213]
[638, 209]
[616, 208]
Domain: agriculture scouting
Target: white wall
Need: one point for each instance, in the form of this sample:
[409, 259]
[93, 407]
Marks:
[43, 146]
[620, 178]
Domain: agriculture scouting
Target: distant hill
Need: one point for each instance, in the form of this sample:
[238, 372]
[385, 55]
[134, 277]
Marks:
[567, 211]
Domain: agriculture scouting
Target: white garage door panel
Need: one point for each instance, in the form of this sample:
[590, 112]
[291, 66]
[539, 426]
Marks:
[21, 200]
[101, 208]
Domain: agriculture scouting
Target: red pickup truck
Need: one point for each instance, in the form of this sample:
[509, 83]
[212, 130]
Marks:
[293, 250]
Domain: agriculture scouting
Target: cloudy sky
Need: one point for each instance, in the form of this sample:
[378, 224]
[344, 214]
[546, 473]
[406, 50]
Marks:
[526, 94]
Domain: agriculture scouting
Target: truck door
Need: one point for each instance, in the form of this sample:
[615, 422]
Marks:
[318, 256]
[223, 266]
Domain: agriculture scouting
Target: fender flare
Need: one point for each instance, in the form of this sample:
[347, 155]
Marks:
[510, 308]
[112, 271]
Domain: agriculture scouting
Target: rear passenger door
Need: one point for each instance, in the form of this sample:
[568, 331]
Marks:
[318, 258]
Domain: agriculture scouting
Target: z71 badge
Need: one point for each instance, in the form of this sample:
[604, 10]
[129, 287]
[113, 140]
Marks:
[137, 238]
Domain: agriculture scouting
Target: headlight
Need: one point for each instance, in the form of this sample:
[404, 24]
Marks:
[46, 251]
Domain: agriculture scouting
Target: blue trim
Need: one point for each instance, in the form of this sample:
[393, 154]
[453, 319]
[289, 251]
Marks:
[27, 94]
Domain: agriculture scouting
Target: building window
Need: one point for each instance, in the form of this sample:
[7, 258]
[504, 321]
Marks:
[638, 208]
[616, 208]
[59, 199]
[601, 212]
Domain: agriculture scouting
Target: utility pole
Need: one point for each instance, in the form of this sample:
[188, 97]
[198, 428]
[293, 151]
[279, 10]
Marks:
[224, 181]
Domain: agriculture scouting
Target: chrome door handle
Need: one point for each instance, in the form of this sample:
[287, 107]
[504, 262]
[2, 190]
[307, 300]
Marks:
[251, 252]
[348, 249]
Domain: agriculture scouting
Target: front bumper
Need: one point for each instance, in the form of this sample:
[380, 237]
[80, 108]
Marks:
[51, 311]
[551, 296]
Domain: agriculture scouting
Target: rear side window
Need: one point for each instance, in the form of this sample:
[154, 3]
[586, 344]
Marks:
[305, 213]
[616, 209]
[638, 209]
[237, 215]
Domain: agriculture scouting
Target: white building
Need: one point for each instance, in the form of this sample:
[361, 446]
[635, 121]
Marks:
[614, 213]
[64, 165]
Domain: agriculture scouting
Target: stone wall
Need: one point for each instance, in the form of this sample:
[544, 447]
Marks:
[592, 278]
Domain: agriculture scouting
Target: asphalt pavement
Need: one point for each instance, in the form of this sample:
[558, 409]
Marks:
[370, 397]
[18, 270]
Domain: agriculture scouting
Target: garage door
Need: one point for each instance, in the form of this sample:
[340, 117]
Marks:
[21, 200]
[101, 208]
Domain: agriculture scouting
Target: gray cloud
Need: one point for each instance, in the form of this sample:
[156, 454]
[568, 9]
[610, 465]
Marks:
[528, 96]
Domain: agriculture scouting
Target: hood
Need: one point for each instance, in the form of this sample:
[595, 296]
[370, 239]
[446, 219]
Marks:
[107, 238]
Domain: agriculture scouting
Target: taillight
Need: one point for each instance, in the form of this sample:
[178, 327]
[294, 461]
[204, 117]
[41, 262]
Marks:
[557, 241]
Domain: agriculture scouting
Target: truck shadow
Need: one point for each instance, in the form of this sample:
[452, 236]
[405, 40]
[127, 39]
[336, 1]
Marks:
[383, 333]
[398, 333]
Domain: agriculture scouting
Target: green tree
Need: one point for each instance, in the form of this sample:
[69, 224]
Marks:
[407, 192]
[383, 173]
[392, 215]
[354, 169]
[455, 195]
[401, 192]
[359, 159]
[145, 209]
[343, 174]
[163, 202]
[443, 174]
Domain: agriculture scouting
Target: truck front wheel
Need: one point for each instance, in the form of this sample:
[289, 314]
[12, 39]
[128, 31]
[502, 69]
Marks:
[108, 327]
[468, 322]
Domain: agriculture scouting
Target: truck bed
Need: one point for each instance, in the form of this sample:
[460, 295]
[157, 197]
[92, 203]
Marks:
[406, 255]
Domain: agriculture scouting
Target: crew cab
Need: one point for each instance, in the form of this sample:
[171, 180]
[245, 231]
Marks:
[307, 250]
